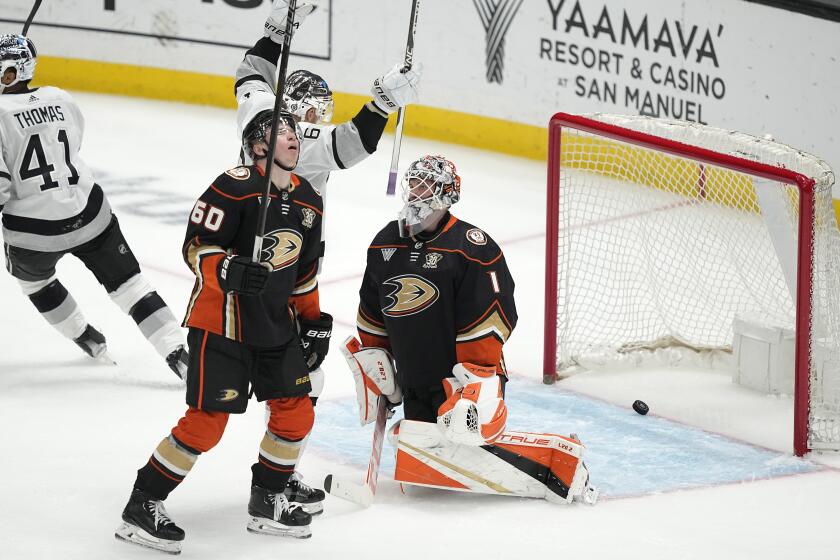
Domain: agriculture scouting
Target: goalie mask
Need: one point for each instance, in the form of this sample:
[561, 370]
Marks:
[305, 90]
[16, 52]
[256, 130]
[430, 186]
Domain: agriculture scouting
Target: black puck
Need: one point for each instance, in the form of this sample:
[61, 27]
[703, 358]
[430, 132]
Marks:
[641, 407]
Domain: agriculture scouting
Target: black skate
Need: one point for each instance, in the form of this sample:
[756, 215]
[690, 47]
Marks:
[93, 344]
[298, 492]
[178, 361]
[271, 514]
[146, 523]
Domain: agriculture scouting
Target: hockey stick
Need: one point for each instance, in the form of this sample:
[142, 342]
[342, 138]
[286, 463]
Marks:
[31, 17]
[409, 60]
[278, 97]
[363, 493]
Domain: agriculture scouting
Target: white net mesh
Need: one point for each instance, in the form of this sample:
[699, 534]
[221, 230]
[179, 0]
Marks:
[658, 250]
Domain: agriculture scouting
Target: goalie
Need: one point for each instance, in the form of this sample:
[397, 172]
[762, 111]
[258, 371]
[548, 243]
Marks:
[437, 295]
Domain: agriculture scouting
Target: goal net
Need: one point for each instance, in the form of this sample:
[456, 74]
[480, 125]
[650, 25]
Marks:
[664, 233]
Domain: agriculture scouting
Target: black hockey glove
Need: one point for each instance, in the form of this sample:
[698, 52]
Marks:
[315, 339]
[239, 274]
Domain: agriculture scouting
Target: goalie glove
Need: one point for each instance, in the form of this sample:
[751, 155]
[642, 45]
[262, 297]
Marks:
[275, 25]
[373, 372]
[397, 88]
[315, 337]
[474, 412]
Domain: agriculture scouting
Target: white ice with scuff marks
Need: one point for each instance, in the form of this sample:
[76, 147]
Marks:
[73, 433]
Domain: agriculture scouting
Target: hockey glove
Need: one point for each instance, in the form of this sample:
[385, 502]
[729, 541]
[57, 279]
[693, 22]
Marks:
[474, 412]
[275, 25]
[315, 338]
[396, 88]
[239, 274]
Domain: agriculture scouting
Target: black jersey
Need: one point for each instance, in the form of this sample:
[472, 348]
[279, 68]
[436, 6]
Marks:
[224, 221]
[436, 303]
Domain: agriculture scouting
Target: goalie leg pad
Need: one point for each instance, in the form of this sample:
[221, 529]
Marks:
[520, 464]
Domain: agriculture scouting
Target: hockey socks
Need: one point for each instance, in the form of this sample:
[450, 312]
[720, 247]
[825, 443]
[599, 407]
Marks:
[57, 306]
[170, 463]
[137, 298]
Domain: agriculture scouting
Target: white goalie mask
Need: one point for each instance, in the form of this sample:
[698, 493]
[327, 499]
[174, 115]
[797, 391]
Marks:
[17, 52]
[430, 186]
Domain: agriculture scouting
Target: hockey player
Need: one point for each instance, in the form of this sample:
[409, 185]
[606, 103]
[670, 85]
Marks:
[52, 207]
[325, 147]
[437, 295]
[242, 337]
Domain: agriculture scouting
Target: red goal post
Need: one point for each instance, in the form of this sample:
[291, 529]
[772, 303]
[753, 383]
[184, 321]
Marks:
[684, 169]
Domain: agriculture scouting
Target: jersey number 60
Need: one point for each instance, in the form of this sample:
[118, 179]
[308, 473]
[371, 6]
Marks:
[209, 214]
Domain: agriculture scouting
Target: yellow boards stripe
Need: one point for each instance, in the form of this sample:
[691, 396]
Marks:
[486, 133]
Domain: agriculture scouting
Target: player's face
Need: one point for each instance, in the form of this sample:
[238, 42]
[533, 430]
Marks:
[419, 189]
[9, 76]
[288, 147]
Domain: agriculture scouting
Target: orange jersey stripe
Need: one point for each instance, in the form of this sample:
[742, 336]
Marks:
[463, 254]
[320, 213]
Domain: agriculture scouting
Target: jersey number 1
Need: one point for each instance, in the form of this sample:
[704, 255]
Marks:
[35, 150]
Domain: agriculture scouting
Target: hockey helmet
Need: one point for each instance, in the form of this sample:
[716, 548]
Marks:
[256, 130]
[430, 186]
[304, 89]
[17, 52]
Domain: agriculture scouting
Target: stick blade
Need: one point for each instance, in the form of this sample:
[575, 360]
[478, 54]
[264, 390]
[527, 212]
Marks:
[339, 487]
[392, 184]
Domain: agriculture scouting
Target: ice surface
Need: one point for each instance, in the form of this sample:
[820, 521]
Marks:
[73, 432]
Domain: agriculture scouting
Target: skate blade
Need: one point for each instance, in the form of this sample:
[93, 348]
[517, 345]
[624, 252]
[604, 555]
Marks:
[266, 527]
[315, 508]
[105, 358]
[135, 535]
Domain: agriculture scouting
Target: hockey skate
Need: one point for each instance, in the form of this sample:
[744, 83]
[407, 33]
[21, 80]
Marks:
[93, 344]
[298, 492]
[178, 361]
[146, 523]
[271, 514]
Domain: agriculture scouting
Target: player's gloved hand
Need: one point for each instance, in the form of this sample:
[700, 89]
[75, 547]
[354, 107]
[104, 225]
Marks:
[315, 338]
[397, 88]
[275, 25]
[239, 274]
[474, 412]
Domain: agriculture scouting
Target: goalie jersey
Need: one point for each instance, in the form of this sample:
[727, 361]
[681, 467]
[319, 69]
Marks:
[48, 196]
[224, 221]
[436, 303]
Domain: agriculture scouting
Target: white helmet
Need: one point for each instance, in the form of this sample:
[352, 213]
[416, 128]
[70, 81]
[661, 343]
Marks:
[17, 52]
[304, 90]
[430, 186]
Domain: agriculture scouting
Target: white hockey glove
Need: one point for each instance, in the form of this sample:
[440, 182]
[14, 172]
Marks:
[373, 372]
[474, 412]
[275, 25]
[396, 88]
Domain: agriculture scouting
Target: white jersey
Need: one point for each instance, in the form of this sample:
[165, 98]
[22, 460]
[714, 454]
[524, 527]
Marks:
[324, 148]
[48, 196]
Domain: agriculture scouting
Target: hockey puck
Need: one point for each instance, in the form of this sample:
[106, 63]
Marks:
[641, 407]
